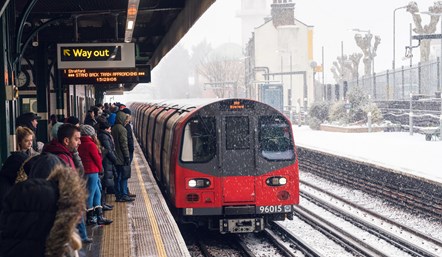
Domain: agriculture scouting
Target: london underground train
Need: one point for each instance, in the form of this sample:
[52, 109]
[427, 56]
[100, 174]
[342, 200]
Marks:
[225, 164]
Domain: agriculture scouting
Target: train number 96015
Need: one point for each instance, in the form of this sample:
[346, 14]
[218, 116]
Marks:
[270, 209]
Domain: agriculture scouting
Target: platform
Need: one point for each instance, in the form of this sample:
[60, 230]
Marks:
[144, 227]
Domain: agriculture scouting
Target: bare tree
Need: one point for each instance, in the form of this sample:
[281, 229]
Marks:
[426, 29]
[224, 76]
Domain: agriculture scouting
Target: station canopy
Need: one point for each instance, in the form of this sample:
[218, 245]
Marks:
[159, 24]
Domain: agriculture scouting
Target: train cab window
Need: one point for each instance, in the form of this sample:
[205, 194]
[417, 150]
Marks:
[237, 133]
[275, 139]
[199, 140]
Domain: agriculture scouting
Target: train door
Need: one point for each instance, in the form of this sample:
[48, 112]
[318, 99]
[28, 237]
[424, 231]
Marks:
[237, 160]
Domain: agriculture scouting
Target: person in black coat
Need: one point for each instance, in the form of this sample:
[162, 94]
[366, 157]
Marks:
[130, 140]
[9, 171]
[109, 160]
[130, 137]
[39, 216]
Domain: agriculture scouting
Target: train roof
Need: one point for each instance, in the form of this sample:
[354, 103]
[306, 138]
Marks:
[189, 104]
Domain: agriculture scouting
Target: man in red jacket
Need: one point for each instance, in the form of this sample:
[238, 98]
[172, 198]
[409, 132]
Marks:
[67, 141]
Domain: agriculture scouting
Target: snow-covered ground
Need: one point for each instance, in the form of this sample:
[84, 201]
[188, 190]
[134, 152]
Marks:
[397, 150]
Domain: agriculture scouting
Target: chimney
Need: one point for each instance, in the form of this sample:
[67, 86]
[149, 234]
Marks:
[283, 12]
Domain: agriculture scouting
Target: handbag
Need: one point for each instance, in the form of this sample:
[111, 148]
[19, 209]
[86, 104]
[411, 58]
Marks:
[125, 172]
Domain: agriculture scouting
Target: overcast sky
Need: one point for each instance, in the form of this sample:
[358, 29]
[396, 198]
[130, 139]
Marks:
[333, 22]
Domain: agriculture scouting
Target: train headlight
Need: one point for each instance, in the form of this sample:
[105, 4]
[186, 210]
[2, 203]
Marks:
[192, 183]
[198, 183]
[276, 181]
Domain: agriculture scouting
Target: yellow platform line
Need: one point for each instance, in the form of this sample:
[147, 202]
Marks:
[156, 231]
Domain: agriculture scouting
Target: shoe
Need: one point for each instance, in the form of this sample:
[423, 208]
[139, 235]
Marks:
[126, 198]
[130, 194]
[107, 207]
[87, 240]
[90, 217]
[101, 220]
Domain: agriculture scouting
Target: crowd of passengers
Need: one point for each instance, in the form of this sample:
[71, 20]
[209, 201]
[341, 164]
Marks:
[50, 192]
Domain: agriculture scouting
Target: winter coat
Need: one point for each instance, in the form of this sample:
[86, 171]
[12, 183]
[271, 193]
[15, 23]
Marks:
[111, 119]
[61, 151]
[39, 215]
[119, 133]
[130, 138]
[109, 157]
[9, 171]
[30, 152]
[90, 156]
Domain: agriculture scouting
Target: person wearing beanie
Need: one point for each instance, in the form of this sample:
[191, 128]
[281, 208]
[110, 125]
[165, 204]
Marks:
[43, 165]
[39, 216]
[73, 120]
[90, 155]
[9, 172]
[54, 129]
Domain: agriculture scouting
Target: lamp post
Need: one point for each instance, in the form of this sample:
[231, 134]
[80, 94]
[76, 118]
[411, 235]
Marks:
[394, 35]
[394, 44]
[440, 64]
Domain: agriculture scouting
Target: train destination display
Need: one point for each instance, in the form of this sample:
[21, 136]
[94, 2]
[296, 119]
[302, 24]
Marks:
[106, 76]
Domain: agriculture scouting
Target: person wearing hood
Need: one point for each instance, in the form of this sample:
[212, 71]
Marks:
[119, 133]
[68, 140]
[30, 121]
[90, 155]
[39, 216]
[130, 141]
[9, 172]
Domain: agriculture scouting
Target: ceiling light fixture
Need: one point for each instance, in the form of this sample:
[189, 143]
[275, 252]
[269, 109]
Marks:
[132, 10]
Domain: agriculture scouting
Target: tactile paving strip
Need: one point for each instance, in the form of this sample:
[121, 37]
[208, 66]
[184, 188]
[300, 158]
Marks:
[144, 227]
[154, 231]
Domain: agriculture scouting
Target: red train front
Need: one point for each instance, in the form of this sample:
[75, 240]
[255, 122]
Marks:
[226, 164]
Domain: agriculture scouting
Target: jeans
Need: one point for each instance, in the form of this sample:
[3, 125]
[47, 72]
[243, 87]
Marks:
[120, 183]
[82, 229]
[94, 189]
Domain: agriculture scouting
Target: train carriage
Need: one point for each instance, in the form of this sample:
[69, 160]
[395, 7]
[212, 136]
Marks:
[228, 164]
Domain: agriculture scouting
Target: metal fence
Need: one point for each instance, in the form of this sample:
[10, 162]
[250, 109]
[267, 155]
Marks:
[421, 79]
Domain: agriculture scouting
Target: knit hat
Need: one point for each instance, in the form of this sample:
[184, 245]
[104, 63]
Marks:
[43, 165]
[87, 130]
[73, 120]
[12, 165]
[127, 111]
[55, 128]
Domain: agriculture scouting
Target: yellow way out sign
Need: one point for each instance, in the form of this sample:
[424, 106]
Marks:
[96, 55]
[105, 53]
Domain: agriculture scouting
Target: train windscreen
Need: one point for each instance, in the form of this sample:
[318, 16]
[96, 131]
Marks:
[237, 133]
[199, 140]
[275, 139]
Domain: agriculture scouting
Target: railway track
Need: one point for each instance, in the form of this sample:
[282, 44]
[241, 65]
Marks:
[279, 235]
[408, 240]
[417, 195]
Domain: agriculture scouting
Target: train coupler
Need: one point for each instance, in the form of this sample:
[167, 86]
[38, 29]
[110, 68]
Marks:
[241, 225]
